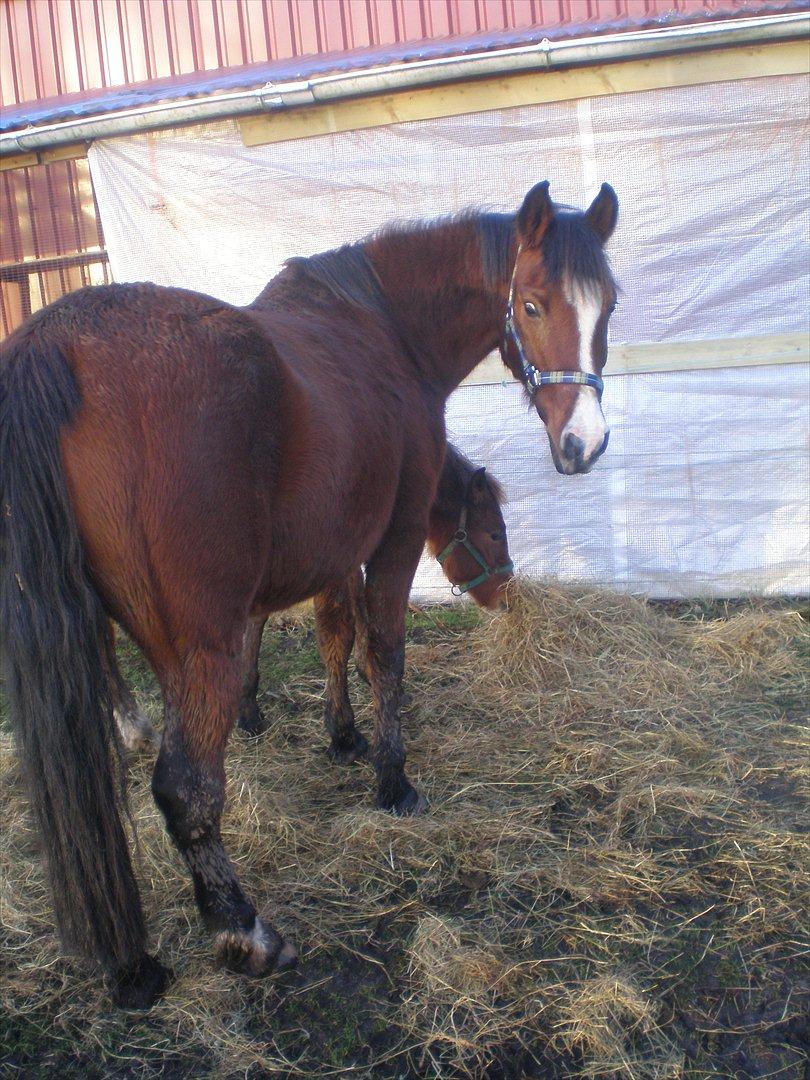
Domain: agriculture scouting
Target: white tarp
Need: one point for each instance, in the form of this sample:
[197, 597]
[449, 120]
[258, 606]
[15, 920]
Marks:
[703, 490]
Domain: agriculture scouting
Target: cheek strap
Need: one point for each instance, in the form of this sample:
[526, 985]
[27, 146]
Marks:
[533, 378]
[460, 537]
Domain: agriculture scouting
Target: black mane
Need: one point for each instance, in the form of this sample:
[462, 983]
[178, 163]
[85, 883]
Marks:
[572, 252]
[347, 271]
[456, 474]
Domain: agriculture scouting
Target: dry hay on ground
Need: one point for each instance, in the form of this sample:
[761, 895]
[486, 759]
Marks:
[612, 879]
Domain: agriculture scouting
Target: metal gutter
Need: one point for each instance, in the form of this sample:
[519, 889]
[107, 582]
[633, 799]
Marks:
[541, 56]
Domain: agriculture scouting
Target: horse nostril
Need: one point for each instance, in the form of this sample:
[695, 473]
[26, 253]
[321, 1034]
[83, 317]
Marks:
[573, 447]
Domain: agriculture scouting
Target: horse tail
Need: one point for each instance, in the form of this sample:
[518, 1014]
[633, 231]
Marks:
[60, 666]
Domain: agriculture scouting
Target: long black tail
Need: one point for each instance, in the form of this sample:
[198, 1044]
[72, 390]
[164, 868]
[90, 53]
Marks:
[59, 665]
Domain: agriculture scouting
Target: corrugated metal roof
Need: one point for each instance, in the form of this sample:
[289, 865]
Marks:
[50, 48]
[91, 102]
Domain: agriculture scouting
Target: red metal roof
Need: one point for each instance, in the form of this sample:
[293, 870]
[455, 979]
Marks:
[49, 48]
[94, 101]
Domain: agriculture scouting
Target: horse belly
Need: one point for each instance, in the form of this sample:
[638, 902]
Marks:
[327, 533]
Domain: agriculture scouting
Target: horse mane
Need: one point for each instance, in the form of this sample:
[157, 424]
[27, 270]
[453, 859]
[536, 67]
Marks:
[348, 273]
[572, 251]
[456, 474]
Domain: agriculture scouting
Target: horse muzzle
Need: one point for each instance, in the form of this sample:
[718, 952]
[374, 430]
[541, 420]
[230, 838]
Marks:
[572, 456]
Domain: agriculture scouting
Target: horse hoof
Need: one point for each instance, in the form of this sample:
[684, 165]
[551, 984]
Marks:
[252, 720]
[346, 755]
[259, 953]
[139, 988]
[411, 804]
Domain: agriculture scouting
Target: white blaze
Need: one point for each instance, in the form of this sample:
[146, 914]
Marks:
[587, 420]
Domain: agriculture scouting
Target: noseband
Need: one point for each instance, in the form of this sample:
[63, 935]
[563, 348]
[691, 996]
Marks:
[532, 377]
[460, 537]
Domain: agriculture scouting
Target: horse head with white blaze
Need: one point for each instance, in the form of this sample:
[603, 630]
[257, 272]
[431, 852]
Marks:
[561, 297]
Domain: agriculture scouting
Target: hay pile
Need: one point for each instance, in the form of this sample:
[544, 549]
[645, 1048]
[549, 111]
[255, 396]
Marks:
[612, 879]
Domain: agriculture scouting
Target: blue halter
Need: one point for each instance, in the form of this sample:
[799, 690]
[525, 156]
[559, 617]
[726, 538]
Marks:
[532, 377]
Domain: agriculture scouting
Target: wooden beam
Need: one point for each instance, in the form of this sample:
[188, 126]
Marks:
[657, 356]
[483, 95]
[44, 157]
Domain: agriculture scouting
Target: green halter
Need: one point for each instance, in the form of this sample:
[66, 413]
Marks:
[460, 537]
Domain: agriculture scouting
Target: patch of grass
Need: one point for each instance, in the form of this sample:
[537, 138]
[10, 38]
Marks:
[612, 879]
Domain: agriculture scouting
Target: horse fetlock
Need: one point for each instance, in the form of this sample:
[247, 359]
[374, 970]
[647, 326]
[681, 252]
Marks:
[251, 718]
[139, 986]
[257, 952]
[135, 729]
[344, 750]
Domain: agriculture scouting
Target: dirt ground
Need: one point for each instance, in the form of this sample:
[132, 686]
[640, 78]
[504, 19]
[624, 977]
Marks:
[612, 879]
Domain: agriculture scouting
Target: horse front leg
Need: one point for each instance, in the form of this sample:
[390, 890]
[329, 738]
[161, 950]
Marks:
[334, 633]
[389, 575]
[189, 787]
[251, 718]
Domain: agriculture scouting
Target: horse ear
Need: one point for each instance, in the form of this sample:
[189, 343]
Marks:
[601, 215]
[477, 485]
[535, 215]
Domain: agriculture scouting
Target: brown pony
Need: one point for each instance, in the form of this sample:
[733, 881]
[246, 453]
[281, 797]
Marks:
[180, 465]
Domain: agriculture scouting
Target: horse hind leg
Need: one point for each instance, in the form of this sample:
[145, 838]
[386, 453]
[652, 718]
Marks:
[334, 632]
[189, 787]
[357, 597]
[134, 728]
[251, 718]
[362, 657]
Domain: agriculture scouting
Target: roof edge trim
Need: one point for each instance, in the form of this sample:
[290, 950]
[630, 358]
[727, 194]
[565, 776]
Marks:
[538, 56]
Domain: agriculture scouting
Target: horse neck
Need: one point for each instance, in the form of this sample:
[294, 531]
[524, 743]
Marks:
[448, 315]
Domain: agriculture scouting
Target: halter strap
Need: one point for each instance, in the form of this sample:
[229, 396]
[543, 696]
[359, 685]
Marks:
[532, 377]
[460, 537]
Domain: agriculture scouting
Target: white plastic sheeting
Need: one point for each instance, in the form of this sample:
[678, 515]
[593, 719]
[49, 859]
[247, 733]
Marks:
[703, 490]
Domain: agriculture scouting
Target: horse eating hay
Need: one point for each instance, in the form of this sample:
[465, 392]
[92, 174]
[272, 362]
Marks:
[181, 465]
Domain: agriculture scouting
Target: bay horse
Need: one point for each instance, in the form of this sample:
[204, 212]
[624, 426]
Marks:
[466, 534]
[179, 465]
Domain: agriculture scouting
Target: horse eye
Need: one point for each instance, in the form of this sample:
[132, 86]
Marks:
[497, 535]
[531, 309]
